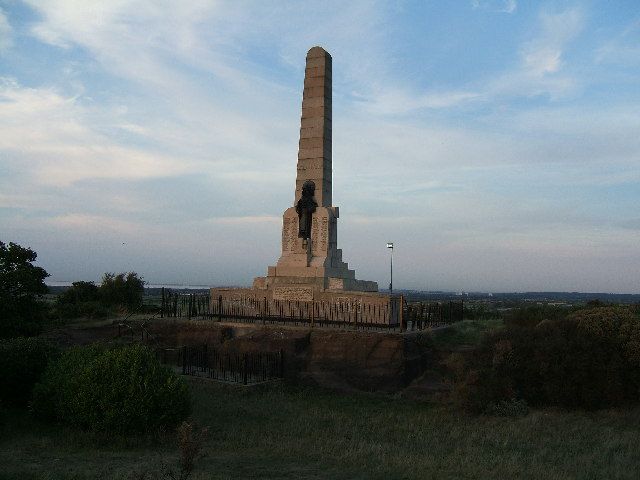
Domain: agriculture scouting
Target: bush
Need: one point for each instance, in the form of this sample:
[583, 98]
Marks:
[590, 359]
[118, 390]
[89, 309]
[532, 315]
[84, 299]
[22, 361]
[79, 292]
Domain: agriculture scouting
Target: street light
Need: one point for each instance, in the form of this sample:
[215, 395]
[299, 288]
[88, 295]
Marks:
[390, 246]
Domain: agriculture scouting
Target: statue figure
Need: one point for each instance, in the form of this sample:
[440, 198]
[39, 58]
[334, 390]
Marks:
[305, 208]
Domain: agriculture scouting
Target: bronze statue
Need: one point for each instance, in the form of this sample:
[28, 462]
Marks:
[305, 208]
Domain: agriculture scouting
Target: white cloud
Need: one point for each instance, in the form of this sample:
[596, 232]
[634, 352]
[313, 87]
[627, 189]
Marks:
[204, 91]
[623, 48]
[502, 6]
[396, 101]
[510, 6]
[53, 139]
[6, 32]
[543, 54]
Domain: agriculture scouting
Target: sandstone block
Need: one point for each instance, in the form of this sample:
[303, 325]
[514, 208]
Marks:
[310, 92]
[314, 82]
[316, 122]
[311, 102]
[317, 72]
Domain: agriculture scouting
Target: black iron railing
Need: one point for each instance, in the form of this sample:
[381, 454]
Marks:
[246, 368]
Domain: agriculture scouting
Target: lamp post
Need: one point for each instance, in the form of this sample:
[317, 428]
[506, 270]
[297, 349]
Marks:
[390, 246]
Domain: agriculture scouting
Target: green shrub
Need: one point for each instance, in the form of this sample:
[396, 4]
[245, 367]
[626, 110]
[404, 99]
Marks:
[82, 299]
[88, 309]
[590, 359]
[22, 361]
[79, 292]
[532, 315]
[118, 390]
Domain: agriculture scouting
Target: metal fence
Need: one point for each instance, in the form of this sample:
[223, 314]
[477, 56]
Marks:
[348, 313]
[355, 313]
[246, 368]
[421, 315]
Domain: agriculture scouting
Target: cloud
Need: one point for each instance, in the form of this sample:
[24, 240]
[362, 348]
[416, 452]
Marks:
[397, 101]
[6, 32]
[501, 6]
[623, 48]
[538, 72]
[53, 139]
[543, 55]
[180, 138]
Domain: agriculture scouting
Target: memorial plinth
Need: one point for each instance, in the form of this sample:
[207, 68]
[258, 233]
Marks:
[310, 261]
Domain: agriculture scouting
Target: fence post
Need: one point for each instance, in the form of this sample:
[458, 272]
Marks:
[400, 313]
[205, 358]
[244, 368]
[162, 304]
[184, 359]
[264, 311]
[281, 363]
[220, 308]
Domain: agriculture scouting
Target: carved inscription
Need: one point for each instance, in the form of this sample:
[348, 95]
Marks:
[323, 234]
[293, 233]
[314, 233]
[289, 234]
[285, 235]
[301, 294]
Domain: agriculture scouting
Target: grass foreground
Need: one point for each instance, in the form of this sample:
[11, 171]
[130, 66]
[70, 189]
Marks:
[282, 432]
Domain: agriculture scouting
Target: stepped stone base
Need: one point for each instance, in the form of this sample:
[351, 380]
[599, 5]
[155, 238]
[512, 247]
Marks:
[301, 292]
[318, 283]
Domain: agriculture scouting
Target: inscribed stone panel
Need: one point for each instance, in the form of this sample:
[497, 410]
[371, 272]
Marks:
[301, 294]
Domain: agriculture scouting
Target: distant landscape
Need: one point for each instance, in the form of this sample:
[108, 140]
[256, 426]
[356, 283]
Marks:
[416, 295]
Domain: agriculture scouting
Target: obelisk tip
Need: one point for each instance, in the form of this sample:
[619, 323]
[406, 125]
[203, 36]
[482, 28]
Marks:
[317, 52]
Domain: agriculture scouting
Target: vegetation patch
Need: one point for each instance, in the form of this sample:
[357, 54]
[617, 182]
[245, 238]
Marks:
[22, 361]
[300, 433]
[590, 359]
[466, 332]
[21, 285]
[85, 299]
[117, 390]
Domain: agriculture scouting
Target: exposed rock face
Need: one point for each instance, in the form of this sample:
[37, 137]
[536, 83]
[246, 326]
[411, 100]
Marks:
[341, 360]
[357, 360]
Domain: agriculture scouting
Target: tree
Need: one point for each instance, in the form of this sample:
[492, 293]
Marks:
[21, 284]
[79, 292]
[123, 289]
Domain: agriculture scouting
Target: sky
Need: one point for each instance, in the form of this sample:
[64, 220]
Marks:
[495, 142]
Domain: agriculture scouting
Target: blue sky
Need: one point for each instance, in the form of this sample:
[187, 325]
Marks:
[496, 143]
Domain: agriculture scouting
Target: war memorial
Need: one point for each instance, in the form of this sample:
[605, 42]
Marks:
[310, 279]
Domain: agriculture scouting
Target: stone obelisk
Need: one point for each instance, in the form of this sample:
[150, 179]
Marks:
[310, 259]
[314, 149]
